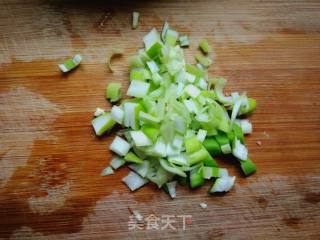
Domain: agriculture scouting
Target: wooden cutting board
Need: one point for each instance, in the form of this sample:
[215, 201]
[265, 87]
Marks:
[50, 183]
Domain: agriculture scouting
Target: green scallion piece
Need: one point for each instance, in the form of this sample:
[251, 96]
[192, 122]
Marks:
[196, 178]
[204, 61]
[198, 156]
[70, 64]
[204, 46]
[192, 144]
[213, 147]
[102, 124]
[248, 167]
[224, 143]
[252, 104]
[238, 132]
[131, 157]
[113, 92]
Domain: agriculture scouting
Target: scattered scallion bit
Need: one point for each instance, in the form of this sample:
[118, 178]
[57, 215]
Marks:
[107, 171]
[165, 28]
[204, 46]
[113, 53]
[113, 92]
[137, 215]
[176, 120]
[249, 108]
[245, 125]
[171, 37]
[203, 205]
[70, 64]
[117, 162]
[204, 61]
[135, 19]
[98, 112]
[184, 41]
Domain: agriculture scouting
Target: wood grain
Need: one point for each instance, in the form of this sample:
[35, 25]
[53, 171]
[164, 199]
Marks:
[50, 183]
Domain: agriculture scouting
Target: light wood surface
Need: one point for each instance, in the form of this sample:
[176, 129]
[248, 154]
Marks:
[50, 160]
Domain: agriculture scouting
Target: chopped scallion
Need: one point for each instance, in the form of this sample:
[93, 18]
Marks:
[135, 19]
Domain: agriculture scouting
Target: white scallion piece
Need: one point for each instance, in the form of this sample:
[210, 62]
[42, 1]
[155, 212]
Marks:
[192, 108]
[120, 146]
[107, 171]
[184, 41]
[138, 89]
[140, 139]
[202, 117]
[141, 168]
[226, 148]
[117, 114]
[190, 77]
[172, 151]
[135, 19]
[153, 66]
[134, 181]
[201, 135]
[98, 112]
[102, 124]
[147, 118]
[172, 188]
[117, 162]
[151, 38]
[192, 91]
[160, 147]
[203, 205]
[180, 89]
[164, 31]
[240, 151]
[245, 125]
[177, 141]
[236, 108]
[129, 114]
[203, 84]
[179, 159]
[179, 125]
[223, 184]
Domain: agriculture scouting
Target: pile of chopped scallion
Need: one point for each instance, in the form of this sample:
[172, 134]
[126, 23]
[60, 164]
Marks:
[177, 119]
